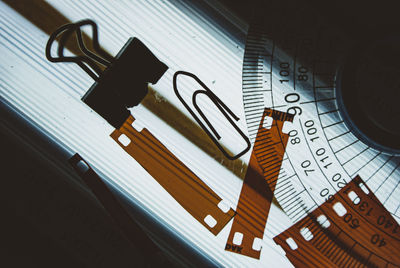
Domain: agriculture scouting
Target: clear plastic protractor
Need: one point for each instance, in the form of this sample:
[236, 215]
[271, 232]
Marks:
[292, 60]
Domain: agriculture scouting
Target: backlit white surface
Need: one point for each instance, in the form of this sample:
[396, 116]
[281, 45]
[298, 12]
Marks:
[49, 94]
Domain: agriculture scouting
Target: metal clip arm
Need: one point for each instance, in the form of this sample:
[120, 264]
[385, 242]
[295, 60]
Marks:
[228, 114]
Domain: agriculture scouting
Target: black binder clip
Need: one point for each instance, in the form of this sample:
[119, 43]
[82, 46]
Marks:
[220, 105]
[133, 67]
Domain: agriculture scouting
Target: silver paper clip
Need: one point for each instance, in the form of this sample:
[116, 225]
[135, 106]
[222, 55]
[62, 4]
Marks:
[220, 105]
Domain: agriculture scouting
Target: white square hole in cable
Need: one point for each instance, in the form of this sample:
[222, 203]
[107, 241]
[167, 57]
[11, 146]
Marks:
[223, 206]
[306, 233]
[124, 140]
[354, 198]
[210, 221]
[339, 209]
[364, 188]
[237, 238]
[137, 125]
[257, 242]
[287, 127]
[323, 221]
[292, 244]
[267, 123]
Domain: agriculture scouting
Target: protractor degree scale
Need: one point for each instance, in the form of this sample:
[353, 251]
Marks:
[341, 86]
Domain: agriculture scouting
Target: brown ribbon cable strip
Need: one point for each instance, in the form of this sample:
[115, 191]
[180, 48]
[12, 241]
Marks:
[177, 179]
[127, 225]
[257, 190]
[363, 234]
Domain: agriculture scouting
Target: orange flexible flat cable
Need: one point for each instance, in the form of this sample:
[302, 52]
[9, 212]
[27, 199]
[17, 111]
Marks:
[178, 180]
[259, 185]
[351, 229]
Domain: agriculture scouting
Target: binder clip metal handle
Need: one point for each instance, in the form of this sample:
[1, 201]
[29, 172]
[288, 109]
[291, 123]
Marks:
[133, 68]
[89, 58]
[228, 114]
